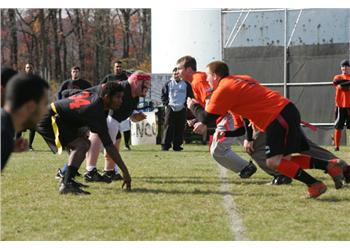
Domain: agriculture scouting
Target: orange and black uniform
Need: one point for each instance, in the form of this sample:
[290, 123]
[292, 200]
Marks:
[266, 109]
[65, 118]
[342, 101]
[201, 88]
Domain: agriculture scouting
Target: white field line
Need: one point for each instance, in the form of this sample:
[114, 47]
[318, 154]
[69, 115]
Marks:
[235, 221]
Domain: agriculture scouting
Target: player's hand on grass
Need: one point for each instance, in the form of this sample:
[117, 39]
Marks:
[21, 145]
[126, 182]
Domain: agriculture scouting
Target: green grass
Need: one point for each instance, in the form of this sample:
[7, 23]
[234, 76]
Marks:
[175, 196]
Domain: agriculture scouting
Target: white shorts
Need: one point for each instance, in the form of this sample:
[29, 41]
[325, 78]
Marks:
[114, 127]
[125, 125]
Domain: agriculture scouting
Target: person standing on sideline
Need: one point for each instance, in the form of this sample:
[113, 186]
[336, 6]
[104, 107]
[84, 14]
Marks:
[25, 104]
[74, 83]
[174, 96]
[29, 70]
[342, 102]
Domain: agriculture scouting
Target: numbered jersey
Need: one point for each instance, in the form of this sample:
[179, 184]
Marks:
[85, 109]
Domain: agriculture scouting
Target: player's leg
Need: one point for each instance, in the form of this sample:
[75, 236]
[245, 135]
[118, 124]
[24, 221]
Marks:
[222, 153]
[111, 170]
[168, 129]
[179, 122]
[77, 148]
[340, 118]
[284, 137]
[259, 157]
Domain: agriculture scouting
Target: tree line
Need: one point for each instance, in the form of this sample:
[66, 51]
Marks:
[54, 40]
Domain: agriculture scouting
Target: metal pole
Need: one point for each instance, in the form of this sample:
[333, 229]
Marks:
[285, 55]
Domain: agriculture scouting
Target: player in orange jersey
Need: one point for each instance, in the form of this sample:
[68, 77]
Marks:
[274, 114]
[342, 101]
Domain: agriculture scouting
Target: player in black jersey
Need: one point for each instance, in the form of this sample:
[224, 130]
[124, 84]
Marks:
[74, 83]
[136, 86]
[61, 129]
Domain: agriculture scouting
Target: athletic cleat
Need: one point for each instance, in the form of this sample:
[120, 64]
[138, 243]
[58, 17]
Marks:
[59, 175]
[71, 188]
[95, 176]
[316, 189]
[336, 149]
[281, 180]
[178, 148]
[113, 176]
[248, 171]
[335, 170]
[346, 173]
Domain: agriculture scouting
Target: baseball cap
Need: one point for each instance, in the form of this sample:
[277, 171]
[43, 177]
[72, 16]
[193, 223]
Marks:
[345, 63]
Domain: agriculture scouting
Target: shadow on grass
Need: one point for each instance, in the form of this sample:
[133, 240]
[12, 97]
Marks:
[333, 199]
[177, 192]
[200, 180]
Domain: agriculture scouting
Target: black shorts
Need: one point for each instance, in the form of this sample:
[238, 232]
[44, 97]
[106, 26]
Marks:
[342, 116]
[284, 135]
[67, 132]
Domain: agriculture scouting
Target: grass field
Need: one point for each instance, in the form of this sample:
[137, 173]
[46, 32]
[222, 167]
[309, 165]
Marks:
[175, 196]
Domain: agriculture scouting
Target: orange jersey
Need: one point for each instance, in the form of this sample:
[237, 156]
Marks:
[243, 95]
[342, 96]
[237, 121]
[200, 87]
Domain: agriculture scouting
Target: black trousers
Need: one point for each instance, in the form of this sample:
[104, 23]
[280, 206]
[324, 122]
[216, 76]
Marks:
[174, 127]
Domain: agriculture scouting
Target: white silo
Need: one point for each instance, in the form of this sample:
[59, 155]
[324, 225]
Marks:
[179, 32]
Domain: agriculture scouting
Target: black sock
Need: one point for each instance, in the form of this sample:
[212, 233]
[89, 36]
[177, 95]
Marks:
[305, 177]
[69, 174]
[318, 163]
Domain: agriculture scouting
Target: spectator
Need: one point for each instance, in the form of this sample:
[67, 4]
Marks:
[174, 96]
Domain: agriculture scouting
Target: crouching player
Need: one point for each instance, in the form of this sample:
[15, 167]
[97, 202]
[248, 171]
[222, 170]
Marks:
[61, 130]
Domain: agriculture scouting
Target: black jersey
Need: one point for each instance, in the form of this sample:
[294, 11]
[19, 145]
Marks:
[128, 106]
[72, 84]
[112, 77]
[7, 137]
[85, 109]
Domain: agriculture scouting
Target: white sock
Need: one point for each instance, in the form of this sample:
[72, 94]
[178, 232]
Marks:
[90, 168]
[116, 169]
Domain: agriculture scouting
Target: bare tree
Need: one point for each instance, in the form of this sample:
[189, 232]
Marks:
[13, 35]
[125, 17]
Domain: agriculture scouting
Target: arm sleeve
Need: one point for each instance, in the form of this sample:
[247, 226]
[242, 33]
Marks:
[203, 117]
[236, 132]
[189, 92]
[248, 129]
[165, 94]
